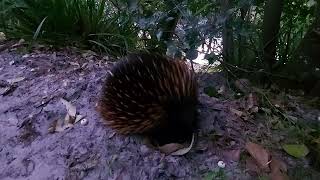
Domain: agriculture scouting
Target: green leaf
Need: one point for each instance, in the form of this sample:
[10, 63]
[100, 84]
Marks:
[215, 175]
[296, 150]
[211, 91]
[36, 34]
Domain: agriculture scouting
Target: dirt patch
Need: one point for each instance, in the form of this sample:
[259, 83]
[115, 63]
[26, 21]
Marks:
[93, 151]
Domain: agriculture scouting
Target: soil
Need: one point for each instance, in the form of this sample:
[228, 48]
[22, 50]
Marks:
[35, 84]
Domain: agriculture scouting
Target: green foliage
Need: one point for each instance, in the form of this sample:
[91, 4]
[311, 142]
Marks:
[85, 22]
[297, 17]
[6, 7]
[296, 150]
[216, 175]
[211, 91]
[117, 26]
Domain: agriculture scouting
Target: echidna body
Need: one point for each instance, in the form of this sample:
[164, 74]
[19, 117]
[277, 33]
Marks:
[151, 95]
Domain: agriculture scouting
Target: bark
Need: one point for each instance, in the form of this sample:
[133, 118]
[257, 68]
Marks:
[271, 27]
[242, 39]
[227, 37]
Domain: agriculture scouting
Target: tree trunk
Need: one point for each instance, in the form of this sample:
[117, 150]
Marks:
[271, 27]
[242, 39]
[227, 37]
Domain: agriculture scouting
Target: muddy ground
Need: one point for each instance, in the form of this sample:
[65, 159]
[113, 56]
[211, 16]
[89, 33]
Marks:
[35, 82]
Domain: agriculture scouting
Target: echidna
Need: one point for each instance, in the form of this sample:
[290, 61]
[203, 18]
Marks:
[151, 95]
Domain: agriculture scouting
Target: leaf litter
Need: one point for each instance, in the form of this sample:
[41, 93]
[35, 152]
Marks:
[70, 119]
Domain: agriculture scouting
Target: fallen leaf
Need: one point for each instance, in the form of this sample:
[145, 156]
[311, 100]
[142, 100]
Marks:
[236, 112]
[67, 126]
[277, 165]
[56, 126]
[252, 166]
[78, 118]
[68, 119]
[233, 155]
[260, 154]
[70, 108]
[170, 148]
[74, 64]
[183, 151]
[211, 91]
[54, 56]
[111, 135]
[26, 56]
[221, 90]
[296, 150]
[15, 80]
[4, 90]
[11, 63]
[2, 37]
[255, 109]
[278, 176]
[176, 149]
[21, 41]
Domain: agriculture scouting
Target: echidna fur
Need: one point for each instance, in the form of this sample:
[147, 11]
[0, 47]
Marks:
[151, 95]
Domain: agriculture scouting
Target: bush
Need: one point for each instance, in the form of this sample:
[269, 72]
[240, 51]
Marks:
[78, 22]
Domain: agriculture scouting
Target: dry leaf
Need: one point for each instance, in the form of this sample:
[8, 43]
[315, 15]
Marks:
[78, 118]
[111, 135]
[70, 108]
[21, 41]
[233, 155]
[221, 90]
[277, 165]
[236, 112]
[183, 151]
[15, 80]
[2, 37]
[26, 56]
[278, 176]
[4, 90]
[260, 154]
[74, 64]
[176, 149]
[251, 166]
[170, 148]
[255, 109]
[59, 126]
[11, 63]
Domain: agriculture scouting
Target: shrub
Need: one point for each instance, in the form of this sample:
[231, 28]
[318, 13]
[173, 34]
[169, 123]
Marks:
[78, 22]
